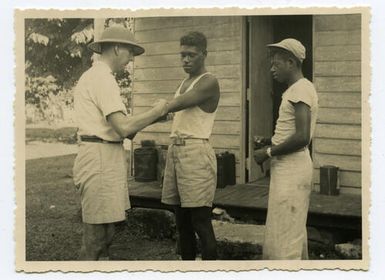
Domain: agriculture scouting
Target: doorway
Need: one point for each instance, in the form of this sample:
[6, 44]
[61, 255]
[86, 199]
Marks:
[263, 95]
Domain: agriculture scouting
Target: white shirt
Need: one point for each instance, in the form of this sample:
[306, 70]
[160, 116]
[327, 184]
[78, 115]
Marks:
[97, 95]
[301, 91]
[192, 122]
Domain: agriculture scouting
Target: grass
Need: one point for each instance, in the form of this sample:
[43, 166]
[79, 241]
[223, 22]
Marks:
[53, 219]
[64, 134]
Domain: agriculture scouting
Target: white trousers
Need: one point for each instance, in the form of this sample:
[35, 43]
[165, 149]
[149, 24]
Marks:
[289, 194]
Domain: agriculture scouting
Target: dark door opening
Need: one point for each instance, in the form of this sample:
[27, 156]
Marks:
[263, 94]
[300, 28]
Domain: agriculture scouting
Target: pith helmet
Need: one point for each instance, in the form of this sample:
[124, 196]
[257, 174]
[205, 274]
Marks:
[116, 34]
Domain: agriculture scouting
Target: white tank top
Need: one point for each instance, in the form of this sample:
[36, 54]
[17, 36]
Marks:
[192, 122]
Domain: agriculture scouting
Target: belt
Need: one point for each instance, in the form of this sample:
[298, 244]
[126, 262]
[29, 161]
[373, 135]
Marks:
[177, 141]
[95, 139]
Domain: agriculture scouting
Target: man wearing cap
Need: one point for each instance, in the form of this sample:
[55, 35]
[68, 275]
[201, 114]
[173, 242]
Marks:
[100, 168]
[291, 165]
[190, 174]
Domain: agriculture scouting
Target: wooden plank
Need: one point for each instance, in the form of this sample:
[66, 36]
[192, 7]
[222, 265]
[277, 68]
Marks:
[148, 23]
[335, 38]
[172, 47]
[220, 127]
[174, 33]
[337, 68]
[338, 131]
[167, 86]
[140, 100]
[337, 146]
[344, 190]
[339, 99]
[337, 22]
[348, 163]
[216, 140]
[339, 115]
[347, 178]
[340, 84]
[337, 53]
[177, 73]
[173, 60]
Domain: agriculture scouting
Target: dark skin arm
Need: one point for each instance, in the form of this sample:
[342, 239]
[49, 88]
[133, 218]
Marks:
[204, 94]
[298, 140]
[206, 91]
[128, 126]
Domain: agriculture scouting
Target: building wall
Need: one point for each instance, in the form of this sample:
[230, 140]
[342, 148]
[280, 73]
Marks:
[158, 73]
[337, 77]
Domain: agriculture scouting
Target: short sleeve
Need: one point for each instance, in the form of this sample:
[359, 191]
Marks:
[302, 93]
[107, 96]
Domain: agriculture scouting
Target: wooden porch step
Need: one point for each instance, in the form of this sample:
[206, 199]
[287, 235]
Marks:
[249, 202]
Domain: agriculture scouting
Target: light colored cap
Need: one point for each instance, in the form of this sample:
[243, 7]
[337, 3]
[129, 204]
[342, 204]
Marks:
[116, 34]
[292, 45]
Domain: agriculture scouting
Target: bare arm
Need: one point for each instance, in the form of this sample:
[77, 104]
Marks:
[298, 140]
[128, 126]
[207, 88]
[301, 137]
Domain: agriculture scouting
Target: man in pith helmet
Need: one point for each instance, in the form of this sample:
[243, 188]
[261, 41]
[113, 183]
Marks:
[100, 168]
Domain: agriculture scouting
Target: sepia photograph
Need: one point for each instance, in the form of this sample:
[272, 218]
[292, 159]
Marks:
[192, 140]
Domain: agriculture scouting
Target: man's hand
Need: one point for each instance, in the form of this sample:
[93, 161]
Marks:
[161, 106]
[260, 142]
[260, 155]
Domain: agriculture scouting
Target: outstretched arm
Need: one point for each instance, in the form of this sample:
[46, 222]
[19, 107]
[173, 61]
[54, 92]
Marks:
[128, 126]
[207, 88]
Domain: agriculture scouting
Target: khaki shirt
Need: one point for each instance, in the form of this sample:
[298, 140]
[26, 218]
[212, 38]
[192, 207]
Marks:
[97, 95]
[301, 91]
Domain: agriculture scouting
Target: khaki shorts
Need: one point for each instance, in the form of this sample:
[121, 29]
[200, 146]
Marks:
[100, 175]
[190, 176]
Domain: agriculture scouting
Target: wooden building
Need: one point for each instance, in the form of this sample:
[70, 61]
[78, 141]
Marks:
[238, 57]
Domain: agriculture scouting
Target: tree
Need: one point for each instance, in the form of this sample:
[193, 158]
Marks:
[58, 48]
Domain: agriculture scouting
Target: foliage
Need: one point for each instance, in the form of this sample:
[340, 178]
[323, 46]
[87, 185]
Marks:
[58, 48]
[56, 55]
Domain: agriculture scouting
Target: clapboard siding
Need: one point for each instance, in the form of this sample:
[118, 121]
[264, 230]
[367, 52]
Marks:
[335, 53]
[339, 99]
[336, 38]
[340, 115]
[337, 78]
[337, 146]
[152, 23]
[339, 84]
[174, 33]
[337, 68]
[337, 131]
[348, 22]
[158, 73]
